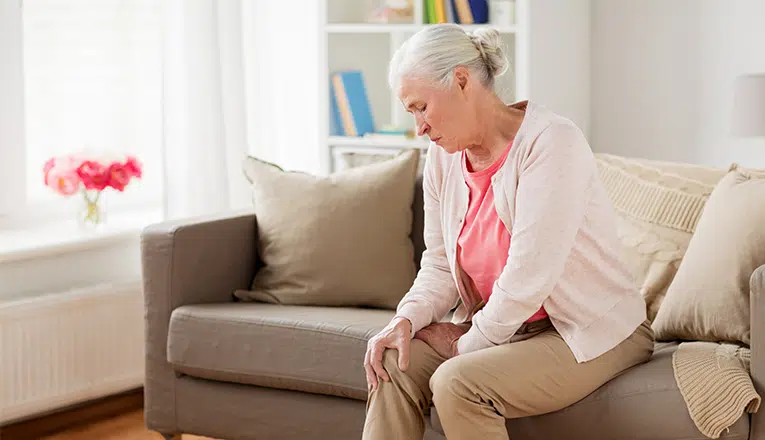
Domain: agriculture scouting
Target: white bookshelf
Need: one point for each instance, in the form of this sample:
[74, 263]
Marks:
[348, 41]
[374, 28]
[353, 142]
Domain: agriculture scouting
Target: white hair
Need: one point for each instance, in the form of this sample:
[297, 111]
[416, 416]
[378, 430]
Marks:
[434, 52]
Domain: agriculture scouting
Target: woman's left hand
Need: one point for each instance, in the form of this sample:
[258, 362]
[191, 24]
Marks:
[442, 337]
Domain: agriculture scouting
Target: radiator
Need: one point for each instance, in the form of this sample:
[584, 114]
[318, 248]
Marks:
[66, 348]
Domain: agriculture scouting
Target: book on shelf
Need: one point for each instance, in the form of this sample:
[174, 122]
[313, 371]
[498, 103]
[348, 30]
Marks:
[350, 111]
[456, 11]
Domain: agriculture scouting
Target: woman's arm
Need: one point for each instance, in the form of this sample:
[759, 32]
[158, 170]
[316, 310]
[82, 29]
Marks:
[550, 202]
[434, 292]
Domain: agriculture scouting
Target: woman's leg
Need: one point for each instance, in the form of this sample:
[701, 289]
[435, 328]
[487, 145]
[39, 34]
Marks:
[474, 393]
[396, 410]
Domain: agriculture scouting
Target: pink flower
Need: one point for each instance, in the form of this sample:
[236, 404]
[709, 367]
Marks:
[49, 165]
[61, 176]
[119, 176]
[94, 175]
[134, 167]
[67, 174]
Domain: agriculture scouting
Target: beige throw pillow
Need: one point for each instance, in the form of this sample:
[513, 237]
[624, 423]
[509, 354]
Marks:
[337, 240]
[708, 299]
[657, 211]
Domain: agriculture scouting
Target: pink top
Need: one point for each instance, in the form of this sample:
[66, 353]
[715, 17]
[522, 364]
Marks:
[484, 241]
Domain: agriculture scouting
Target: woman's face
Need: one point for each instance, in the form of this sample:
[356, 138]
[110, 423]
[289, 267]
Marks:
[443, 113]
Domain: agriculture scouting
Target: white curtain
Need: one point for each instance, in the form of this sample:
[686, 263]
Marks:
[240, 77]
[205, 112]
[284, 102]
[12, 158]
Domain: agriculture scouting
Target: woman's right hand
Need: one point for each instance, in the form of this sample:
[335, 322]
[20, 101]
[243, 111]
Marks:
[398, 335]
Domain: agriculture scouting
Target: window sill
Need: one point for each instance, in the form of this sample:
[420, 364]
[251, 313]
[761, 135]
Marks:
[64, 237]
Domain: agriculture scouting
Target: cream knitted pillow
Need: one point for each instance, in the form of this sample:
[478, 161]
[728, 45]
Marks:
[657, 213]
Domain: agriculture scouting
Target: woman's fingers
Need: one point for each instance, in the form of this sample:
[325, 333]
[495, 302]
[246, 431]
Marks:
[373, 358]
[371, 377]
[403, 354]
[376, 359]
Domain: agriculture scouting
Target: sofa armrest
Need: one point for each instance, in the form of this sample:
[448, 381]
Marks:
[192, 261]
[757, 320]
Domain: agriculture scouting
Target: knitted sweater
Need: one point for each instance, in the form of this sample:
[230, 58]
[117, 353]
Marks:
[565, 254]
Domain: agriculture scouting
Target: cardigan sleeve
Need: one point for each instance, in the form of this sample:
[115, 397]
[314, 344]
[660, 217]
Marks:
[551, 198]
[434, 291]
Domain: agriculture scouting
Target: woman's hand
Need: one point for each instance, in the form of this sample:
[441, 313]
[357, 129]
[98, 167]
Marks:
[442, 337]
[398, 335]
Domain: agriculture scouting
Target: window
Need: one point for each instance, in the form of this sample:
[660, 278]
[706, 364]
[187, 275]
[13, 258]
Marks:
[92, 72]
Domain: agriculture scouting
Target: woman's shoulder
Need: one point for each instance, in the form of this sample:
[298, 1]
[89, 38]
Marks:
[544, 130]
[543, 122]
[553, 139]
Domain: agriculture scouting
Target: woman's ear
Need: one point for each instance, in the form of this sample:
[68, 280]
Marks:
[461, 77]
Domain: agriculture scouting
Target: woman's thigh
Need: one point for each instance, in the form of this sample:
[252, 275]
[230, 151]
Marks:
[537, 375]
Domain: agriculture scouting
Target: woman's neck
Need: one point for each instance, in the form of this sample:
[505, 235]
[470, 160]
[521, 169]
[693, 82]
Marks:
[503, 123]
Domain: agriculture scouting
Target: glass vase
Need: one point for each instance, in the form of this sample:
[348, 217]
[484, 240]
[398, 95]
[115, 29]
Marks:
[91, 213]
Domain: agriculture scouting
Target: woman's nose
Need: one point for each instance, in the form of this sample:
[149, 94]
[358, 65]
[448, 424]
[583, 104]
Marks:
[422, 129]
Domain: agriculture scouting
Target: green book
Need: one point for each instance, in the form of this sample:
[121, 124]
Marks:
[430, 11]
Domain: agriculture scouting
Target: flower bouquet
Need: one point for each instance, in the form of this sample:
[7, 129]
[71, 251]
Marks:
[90, 176]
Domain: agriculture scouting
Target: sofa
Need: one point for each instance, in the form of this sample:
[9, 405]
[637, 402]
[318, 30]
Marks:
[235, 370]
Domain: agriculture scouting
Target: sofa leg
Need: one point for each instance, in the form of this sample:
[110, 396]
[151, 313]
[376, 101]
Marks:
[171, 436]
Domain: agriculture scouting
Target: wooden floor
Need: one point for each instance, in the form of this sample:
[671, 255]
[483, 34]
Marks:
[118, 417]
[123, 427]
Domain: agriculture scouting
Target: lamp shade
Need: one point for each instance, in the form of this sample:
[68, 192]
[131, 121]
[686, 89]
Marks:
[749, 106]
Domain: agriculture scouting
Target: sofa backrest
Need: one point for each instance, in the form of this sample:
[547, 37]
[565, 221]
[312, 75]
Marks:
[418, 221]
[706, 174]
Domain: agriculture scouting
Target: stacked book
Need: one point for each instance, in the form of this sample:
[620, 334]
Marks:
[456, 11]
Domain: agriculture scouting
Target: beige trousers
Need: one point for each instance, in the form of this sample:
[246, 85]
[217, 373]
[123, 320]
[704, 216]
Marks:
[474, 393]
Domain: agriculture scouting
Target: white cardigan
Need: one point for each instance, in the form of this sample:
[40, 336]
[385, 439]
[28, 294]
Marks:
[564, 251]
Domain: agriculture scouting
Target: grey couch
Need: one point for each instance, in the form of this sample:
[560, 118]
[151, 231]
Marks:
[233, 370]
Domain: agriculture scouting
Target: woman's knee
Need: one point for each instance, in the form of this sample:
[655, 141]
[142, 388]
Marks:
[450, 381]
[390, 361]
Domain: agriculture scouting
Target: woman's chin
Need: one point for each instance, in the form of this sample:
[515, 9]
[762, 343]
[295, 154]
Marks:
[448, 147]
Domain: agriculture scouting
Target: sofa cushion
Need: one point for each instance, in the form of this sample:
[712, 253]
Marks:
[644, 401]
[709, 298]
[312, 349]
[338, 240]
[657, 211]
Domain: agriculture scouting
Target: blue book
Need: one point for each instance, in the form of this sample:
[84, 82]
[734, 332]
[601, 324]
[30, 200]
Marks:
[352, 103]
[480, 9]
[335, 124]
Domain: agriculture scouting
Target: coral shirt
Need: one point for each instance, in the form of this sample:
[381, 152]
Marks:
[484, 242]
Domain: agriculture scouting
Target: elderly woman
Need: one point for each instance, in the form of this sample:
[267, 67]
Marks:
[520, 242]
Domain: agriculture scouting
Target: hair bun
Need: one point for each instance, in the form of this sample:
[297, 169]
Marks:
[488, 41]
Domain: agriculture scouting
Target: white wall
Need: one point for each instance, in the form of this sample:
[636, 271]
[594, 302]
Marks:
[663, 74]
[559, 57]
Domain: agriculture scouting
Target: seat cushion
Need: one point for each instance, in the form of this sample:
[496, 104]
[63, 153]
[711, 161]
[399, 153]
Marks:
[642, 403]
[312, 349]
